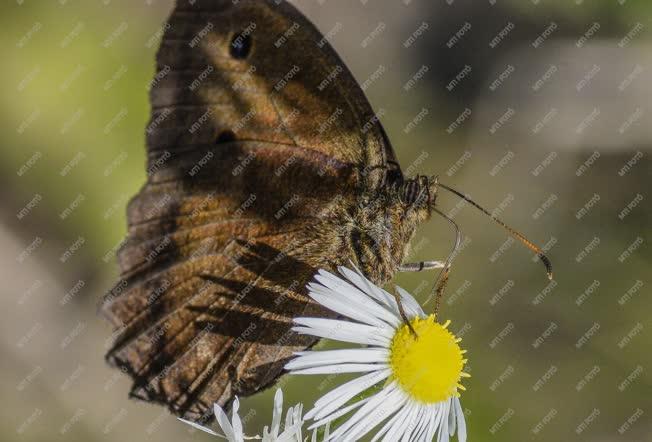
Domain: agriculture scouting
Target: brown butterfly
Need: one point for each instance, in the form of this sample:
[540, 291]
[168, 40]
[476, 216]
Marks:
[265, 163]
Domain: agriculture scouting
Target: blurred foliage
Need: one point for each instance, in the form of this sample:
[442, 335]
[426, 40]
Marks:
[622, 12]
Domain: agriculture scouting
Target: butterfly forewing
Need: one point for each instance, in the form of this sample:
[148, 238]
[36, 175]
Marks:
[254, 140]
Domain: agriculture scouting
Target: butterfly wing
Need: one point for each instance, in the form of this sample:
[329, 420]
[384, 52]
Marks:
[256, 125]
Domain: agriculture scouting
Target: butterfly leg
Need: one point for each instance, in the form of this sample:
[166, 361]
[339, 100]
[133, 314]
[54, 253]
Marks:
[419, 266]
[404, 316]
[442, 278]
[414, 267]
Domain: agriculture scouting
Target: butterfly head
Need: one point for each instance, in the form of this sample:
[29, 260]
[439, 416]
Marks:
[419, 192]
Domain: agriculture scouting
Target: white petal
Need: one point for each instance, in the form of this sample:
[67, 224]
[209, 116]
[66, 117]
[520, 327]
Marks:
[341, 412]
[329, 357]
[340, 368]
[336, 325]
[223, 422]
[441, 417]
[372, 290]
[411, 306]
[444, 435]
[384, 396]
[393, 430]
[298, 421]
[339, 285]
[435, 416]
[339, 396]
[414, 429]
[235, 420]
[346, 332]
[344, 304]
[422, 427]
[374, 418]
[293, 424]
[413, 422]
[461, 422]
[199, 427]
[404, 424]
[391, 422]
[345, 299]
[343, 336]
[288, 418]
[277, 412]
[452, 420]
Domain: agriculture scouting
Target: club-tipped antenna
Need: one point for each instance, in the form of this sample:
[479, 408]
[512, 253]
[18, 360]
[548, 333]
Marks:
[529, 244]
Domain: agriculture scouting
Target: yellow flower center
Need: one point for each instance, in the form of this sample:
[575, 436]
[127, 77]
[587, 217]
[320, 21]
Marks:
[429, 366]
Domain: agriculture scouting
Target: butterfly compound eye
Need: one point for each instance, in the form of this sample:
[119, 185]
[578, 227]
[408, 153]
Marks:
[240, 45]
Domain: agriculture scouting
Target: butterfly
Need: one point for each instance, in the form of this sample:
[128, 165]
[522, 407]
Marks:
[265, 162]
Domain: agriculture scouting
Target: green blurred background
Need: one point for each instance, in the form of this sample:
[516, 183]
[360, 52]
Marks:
[568, 361]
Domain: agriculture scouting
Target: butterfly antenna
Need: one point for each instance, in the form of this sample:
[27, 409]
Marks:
[442, 278]
[529, 244]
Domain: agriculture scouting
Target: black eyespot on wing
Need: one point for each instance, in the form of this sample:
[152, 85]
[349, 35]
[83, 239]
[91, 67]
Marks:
[226, 136]
[240, 45]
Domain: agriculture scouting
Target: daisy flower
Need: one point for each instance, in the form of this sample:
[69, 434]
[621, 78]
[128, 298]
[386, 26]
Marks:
[233, 431]
[420, 375]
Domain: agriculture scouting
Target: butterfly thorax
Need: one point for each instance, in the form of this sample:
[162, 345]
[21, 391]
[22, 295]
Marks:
[374, 229]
